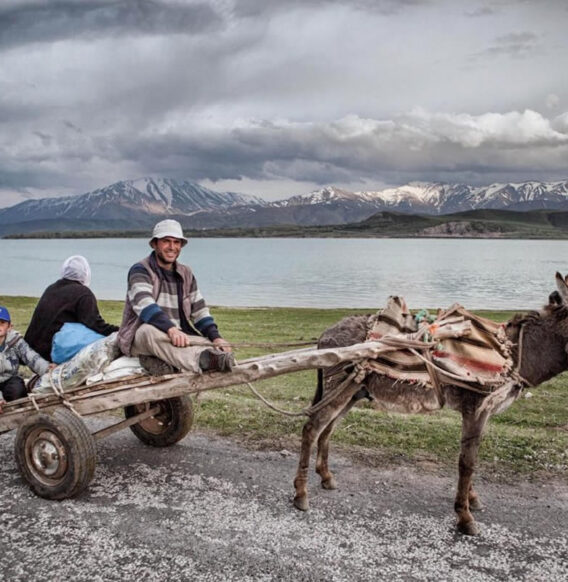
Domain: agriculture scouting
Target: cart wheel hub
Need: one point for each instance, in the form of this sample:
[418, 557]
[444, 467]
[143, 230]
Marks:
[155, 424]
[47, 455]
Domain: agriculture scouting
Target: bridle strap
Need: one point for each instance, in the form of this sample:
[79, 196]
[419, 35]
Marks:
[516, 372]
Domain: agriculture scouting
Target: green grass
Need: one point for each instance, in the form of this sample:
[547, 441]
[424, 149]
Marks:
[530, 437]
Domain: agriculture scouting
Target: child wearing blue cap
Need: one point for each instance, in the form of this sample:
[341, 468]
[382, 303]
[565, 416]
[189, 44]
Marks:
[13, 350]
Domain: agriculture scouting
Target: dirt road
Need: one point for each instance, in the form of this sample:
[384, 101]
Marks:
[208, 509]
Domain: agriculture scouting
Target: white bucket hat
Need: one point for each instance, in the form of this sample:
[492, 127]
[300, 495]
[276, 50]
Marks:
[169, 228]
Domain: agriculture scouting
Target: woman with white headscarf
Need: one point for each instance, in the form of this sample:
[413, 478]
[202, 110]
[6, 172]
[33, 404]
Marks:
[67, 300]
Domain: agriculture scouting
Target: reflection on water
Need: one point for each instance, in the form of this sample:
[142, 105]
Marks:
[315, 272]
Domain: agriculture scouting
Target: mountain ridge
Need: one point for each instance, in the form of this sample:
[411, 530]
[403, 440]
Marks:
[140, 203]
[140, 197]
[445, 198]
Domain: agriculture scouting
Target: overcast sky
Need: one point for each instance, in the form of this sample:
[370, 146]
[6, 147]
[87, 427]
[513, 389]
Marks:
[278, 97]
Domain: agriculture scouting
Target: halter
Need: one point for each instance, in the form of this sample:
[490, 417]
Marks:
[515, 373]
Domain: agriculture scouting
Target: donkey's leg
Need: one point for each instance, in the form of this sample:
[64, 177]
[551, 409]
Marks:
[473, 499]
[322, 467]
[311, 431]
[472, 431]
[309, 434]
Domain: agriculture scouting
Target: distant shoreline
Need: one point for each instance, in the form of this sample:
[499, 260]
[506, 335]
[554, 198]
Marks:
[222, 234]
[474, 224]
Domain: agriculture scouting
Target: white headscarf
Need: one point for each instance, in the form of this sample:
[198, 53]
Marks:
[76, 268]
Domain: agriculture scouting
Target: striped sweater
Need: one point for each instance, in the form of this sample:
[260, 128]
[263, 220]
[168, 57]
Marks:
[164, 299]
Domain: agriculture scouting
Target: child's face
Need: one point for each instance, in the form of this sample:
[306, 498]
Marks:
[4, 327]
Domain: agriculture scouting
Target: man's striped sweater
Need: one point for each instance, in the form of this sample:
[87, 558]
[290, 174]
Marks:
[166, 299]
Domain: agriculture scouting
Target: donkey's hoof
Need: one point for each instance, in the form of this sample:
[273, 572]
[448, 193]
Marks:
[475, 505]
[301, 503]
[330, 483]
[469, 528]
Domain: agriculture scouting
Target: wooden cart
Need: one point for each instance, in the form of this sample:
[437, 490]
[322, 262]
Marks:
[56, 452]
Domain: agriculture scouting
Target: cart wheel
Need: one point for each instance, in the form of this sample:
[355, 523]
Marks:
[168, 426]
[55, 454]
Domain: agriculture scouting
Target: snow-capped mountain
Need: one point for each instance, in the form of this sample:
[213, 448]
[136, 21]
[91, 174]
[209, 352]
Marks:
[132, 200]
[440, 198]
[138, 204]
[327, 195]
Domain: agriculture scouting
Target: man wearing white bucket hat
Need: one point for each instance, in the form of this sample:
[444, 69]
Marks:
[166, 321]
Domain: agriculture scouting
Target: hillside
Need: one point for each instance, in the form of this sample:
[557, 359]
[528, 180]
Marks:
[482, 223]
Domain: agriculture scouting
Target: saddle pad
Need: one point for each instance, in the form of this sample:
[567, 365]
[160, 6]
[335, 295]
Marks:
[471, 349]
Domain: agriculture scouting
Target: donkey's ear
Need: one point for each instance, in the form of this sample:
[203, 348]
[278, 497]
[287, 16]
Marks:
[562, 287]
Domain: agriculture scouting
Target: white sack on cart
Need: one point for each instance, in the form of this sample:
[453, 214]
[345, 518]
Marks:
[120, 368]
[88, 362]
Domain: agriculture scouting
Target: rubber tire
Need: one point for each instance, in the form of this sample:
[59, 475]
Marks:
[176, 416]
[78, 447]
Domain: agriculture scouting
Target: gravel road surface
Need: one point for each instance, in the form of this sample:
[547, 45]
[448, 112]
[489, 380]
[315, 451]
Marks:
[209, 509]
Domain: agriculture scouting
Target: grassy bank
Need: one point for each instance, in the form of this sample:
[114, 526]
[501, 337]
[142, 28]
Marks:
[531, 437]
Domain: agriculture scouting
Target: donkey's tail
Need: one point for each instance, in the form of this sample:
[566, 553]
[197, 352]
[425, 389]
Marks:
[319, 390]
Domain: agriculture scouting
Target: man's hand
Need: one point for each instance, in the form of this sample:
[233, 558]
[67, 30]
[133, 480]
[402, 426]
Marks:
[222, 345]
[178, 338]
[2, 403]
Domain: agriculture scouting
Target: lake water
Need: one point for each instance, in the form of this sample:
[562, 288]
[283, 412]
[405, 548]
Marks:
[499, 274]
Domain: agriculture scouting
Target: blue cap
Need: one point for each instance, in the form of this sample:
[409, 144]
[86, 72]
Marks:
[4, 314]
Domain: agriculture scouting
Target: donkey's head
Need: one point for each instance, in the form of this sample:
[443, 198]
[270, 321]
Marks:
[560, 296]
[542, 337]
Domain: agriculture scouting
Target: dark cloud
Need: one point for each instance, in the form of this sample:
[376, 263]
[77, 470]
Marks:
[310, 91]
[490, 7]
[23, 177]
[416, 146]
[355, 148]
[254, 8]
[72, 126]
[346, 150]
[45, 138]
[481, 11]
[40, 21]
[517, 45]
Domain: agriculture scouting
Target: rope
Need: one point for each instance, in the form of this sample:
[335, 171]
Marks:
[310, 410]
[303, 412]
[452, 376]
[435, 378]
[356, 376]
[515, 373]
[59, 391]
[492, 402]
[33, 401]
